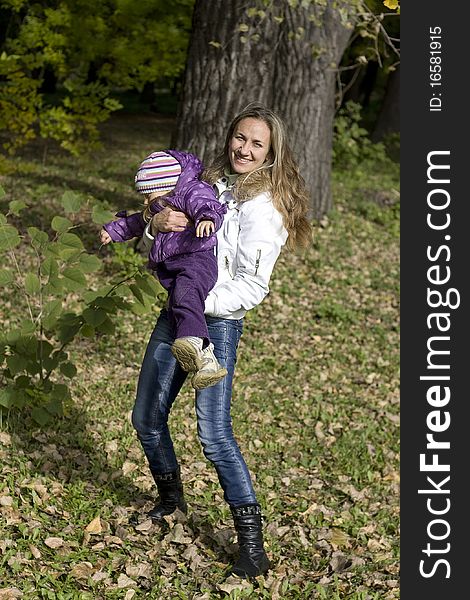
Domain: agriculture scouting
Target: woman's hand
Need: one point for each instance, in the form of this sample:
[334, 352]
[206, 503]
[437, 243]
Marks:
[169, 220]
[105, 238]
[205, 228]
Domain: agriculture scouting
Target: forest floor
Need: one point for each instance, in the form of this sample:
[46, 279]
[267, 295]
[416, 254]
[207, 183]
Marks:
[315, 411]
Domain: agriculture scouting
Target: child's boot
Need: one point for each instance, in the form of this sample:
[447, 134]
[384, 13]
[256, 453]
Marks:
[188, 352]
[210, 372]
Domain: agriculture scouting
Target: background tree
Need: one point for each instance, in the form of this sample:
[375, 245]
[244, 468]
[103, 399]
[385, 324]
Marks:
[85, 51]
[284, 54]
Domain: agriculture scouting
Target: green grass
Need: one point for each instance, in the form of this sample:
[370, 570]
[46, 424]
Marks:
[315, 411]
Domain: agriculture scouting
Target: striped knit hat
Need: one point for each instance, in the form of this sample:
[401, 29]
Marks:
[158, 172]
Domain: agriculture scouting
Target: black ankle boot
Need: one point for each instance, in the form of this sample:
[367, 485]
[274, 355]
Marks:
[170, 490]
[252, 560]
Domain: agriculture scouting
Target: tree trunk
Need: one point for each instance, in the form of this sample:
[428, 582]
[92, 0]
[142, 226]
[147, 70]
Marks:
[282, 56]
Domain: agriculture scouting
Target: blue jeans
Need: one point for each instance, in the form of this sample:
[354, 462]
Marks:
[161, 379]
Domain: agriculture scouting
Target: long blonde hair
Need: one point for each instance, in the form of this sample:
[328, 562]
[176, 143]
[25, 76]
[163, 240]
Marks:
[279, 176]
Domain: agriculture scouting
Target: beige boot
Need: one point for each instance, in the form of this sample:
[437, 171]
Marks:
[210, 372]
[188, 352]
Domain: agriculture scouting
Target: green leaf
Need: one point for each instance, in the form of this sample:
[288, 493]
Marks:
[45, 348]
[100, 215]
[108, 303]
[55, 406]
[41, 416]
[137, 293]
[32, 284]
[138, 309]
[28, 327]
[73, 279]
[26, 345]
[16, 206]
[148, 285]
[38, 238]
[70, 245]
[107, 327]
[16, 363]
[61, 224]
[89, 263]
[6, 277]
[7, 397]
[51, 312]
[71, 202]
[54, 286]
[87, 330]
[49, 267]
[94, 316]
[9, 237]
[68, 369]
[50, 362]
[2, 192]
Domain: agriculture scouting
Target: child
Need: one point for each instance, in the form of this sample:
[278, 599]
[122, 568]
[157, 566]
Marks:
[184, 261]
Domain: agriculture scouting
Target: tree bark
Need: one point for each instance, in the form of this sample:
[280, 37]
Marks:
[282, 56]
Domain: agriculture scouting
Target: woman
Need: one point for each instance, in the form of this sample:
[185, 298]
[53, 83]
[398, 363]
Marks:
[258, 180]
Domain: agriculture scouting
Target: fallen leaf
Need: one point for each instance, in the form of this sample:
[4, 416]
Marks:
[94, 526]
[177, 535]
[5, 440]
[82, 570]
[145, 526]
[124, 581]
[128, 467]
[34, 551]
[340, 563]
[234, 583]
[9, 593]
[140, 570]
[338, 537]
[54, 542]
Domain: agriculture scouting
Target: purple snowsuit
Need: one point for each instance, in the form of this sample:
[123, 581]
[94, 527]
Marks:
[185, 265]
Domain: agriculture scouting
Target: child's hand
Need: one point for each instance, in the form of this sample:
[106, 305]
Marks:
[205, 228]
[105, 237]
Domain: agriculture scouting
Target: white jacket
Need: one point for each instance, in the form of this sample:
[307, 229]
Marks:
[248, 246]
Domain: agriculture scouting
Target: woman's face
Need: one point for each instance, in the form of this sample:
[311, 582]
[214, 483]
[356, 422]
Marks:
[249, 145]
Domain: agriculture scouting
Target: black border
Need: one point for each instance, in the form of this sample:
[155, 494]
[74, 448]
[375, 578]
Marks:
[424, 131]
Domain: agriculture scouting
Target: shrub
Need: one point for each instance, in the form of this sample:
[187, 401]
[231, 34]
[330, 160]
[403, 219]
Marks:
[60, 305]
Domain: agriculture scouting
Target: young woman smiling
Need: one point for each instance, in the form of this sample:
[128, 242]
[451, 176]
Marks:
[257, 178]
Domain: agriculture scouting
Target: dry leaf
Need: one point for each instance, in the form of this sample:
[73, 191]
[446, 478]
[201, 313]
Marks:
[128, 467]
[54, 542]
[129, 594]
[340, 563]
[82, 570]
[233, 583]
[34, 551]
[6, 501]
[338, 537]
[177, 535]
[5, 440]
[140, 570]
[10, 593]
[145, 526]
[124, 581]
[94, 526]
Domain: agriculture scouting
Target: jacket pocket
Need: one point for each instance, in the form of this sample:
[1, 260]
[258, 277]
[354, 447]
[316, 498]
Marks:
[257, 261]
[227, 265]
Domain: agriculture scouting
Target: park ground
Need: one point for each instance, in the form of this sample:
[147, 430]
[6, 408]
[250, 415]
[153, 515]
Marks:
[315, 411]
